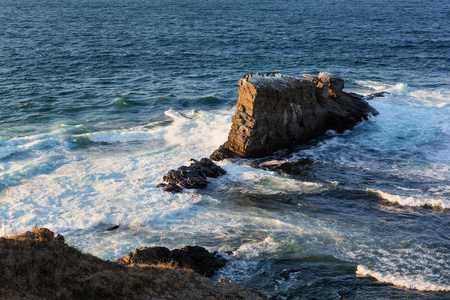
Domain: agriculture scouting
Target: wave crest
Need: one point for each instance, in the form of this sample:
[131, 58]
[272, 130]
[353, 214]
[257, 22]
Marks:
[417, 283]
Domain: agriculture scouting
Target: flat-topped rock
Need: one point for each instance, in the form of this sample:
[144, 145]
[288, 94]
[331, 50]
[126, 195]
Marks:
[278, 111]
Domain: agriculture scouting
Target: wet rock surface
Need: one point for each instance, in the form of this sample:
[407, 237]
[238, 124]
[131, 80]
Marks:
[196, 258]
[191, 177]
[221, 153]
[291, 167]
[170, 187]
[376, 95]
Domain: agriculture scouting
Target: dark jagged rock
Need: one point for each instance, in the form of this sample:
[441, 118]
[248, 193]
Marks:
[187, 177]
[113, 228]
[194, 177]
[216, 170]
[277, 112]
[199, 259]
[376, 95]
[151, 256]
[170, 187]
[293, 167]
[193, 257]
[191, 177]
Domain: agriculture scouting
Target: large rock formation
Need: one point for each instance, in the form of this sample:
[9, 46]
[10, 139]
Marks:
[277, 112]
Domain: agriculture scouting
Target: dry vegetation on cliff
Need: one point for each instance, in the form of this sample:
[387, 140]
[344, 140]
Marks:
[38, 265]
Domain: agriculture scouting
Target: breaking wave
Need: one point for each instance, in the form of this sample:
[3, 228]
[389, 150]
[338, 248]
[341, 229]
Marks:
[413, 201]
[417, 283]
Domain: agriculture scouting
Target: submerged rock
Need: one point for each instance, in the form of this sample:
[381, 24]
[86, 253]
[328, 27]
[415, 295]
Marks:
[376, 95]
[192, 257]
[277, 112]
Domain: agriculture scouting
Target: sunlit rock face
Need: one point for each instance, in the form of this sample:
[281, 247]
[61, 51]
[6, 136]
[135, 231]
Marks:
[277, 112]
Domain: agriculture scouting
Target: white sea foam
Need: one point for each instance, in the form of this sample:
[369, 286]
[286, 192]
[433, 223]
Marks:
[264, 181]
[415, 201]
[187, 128]
[121, 136]
[411, 282]
[198, 128]
[83, 189]
[256, 249]
[431, 97]
[18, 145]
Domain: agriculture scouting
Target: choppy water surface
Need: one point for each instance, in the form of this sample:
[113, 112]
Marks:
[101, 98]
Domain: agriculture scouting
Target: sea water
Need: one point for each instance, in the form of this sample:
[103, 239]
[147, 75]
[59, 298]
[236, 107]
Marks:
[100, 98]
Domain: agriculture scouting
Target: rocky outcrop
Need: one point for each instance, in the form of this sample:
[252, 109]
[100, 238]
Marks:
[197, 258]
[191, 177]
[277, 112]
[38, 265]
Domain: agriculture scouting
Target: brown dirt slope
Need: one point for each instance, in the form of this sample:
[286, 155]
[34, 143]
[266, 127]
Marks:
[38, 265]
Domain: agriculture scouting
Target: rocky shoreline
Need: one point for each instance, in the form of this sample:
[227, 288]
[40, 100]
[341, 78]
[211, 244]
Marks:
[276, 112]
[39, 265]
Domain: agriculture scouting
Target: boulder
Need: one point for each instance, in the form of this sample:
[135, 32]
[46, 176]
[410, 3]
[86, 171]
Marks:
[277, 112]
[334, 83]
[208, 168]
[150, 256]
[170, 187]
[197, 258]
[187, 177]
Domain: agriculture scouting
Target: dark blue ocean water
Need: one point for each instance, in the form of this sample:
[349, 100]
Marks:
[100, 98]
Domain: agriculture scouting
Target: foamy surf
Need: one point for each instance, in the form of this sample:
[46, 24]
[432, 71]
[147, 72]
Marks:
[413, 201]
[429, 97]
[186, 128]
[25, 144]
[263, 181]
[416, 282]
